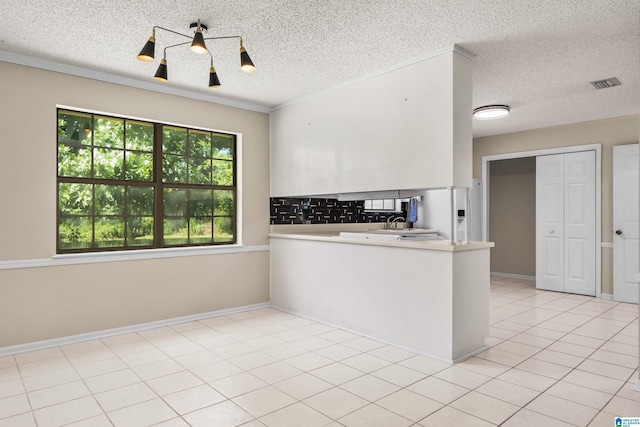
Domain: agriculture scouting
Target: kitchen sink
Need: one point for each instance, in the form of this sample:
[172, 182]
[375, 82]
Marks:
[405, 231]
[369, 236]
[392, 235]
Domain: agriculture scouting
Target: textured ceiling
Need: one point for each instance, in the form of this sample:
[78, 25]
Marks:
[538, 56]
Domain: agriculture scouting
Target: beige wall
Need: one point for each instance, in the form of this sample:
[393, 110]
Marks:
[609, 132]
[49, 302]
[512, 208]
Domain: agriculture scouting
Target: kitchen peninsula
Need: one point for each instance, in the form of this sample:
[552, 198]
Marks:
[428, 296]
[404, 129]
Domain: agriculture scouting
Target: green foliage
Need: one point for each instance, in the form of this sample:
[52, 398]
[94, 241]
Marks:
[222, 172]
[200, 230]
[75, 131]
[98, 214]
[201, 203]
[223, 202]
[140, 200]
[174, 169]
[223, 147]
[139, 136]
[109, 231]
[222, 229]
[200, 144]
[175, 232]
[197, 167]
[78, 226]
[75, 233]
[109, 199]
[202, 226]
[108, 163]
[199, 171]
[139, 166]
[75, 199]
[74, 161]
[175, 202]
[139, 227]
[74, 127]
[174, 140]
[108, 132]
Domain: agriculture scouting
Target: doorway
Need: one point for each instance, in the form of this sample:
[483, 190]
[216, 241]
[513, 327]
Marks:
[513, 218]
[487, 162]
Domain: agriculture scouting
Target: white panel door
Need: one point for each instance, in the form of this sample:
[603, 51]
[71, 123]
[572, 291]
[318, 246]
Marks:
[566, 223]
[550, 222]
[580, 223]
[625, 223]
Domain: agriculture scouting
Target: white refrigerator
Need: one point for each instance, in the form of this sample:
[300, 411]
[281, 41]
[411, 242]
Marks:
[435, 210]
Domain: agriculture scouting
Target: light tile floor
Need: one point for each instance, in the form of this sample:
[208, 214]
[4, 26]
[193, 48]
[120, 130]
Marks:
[554, 360]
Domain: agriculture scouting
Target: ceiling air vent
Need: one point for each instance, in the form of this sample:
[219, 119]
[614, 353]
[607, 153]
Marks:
[603, 84]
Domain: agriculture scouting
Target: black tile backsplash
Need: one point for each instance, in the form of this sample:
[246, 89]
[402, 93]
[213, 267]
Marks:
[323, 211]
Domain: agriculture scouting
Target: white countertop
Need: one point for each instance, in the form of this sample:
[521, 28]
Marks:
[331, 233]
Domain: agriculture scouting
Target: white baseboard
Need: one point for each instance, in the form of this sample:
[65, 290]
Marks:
[637, 386]
[412, 350]
[469, 355]
[512, 276]
[72, 339]
[606, 296]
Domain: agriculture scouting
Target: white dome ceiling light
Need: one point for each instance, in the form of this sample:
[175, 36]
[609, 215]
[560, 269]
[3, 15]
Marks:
[490, 112]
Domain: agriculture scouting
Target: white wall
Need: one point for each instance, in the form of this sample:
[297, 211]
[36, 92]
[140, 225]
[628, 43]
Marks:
[408, 128]
[38, 303]
[608, 132]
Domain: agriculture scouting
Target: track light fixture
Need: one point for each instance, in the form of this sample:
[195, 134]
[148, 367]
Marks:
[197, 45]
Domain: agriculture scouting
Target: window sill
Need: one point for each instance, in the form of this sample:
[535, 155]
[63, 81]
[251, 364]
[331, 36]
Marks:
[134, 255]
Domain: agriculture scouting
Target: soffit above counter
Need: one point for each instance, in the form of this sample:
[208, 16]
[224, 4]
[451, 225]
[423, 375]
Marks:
[377, 195]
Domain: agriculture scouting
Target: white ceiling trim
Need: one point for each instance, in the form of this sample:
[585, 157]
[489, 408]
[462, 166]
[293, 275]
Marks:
[72, 70]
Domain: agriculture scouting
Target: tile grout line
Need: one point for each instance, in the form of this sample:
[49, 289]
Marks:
[612, 326]
[574, 368]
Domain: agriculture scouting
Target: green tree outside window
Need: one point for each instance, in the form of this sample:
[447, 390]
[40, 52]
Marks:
[130, 184]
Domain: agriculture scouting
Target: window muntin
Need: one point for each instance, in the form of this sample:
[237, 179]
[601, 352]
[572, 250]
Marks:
[129, 184]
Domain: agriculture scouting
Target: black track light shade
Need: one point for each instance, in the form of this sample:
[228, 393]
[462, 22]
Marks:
[214, 81]
[197, 45]
[245, 62]
[148, 51]
[161, 74]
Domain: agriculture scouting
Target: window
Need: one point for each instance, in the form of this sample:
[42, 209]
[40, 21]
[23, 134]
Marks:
[130, 184]
[390, 205]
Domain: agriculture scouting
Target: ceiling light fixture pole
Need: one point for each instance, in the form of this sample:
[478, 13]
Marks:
[197, 45]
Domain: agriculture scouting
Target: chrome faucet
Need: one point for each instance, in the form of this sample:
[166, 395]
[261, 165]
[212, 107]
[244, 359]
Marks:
[387, 225]
[392, 223]
[395, 221]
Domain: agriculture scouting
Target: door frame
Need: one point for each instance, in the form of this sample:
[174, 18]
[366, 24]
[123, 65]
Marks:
[486, 186]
